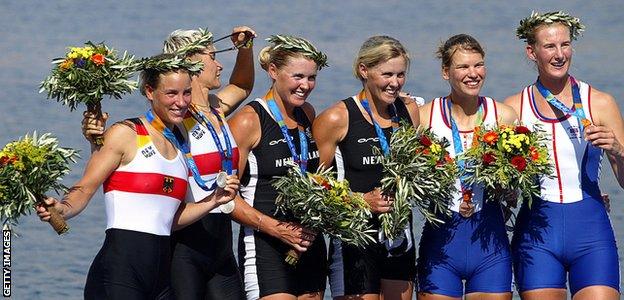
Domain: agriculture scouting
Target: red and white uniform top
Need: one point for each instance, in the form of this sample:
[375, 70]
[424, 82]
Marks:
[207, 158]
[145, 194]
[439, 122]
[577, 162]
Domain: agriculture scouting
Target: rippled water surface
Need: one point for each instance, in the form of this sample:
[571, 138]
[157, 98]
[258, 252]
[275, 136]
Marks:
[45, 266]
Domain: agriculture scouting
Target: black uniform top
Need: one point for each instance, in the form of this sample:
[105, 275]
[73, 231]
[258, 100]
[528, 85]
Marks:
[355, 160]
[269, 159]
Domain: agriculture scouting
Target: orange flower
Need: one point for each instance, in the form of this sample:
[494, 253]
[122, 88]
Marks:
[534, 153]
[490, 137]
[98, 59]
[66, 64]
[476, 136]
[448, 158]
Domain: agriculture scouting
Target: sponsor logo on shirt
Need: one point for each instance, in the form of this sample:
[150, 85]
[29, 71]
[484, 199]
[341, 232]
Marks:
[198, 132]
[148, 151]
[368, 140]
[574, 132]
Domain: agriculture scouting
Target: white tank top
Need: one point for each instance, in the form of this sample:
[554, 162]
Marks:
[145, 194]
[577, 163]
[441, 126]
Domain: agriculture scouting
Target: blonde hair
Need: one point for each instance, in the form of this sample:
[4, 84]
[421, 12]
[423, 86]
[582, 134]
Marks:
[461, 41]
[179, 39]
[376, 50]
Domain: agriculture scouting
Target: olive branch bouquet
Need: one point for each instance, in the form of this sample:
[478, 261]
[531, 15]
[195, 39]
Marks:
[29, 168]
[325, 205]
[420, 173]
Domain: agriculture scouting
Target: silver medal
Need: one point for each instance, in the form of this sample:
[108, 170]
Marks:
[227, 208]
[221, 179]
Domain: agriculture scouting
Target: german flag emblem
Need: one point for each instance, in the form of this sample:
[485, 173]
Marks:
[168, 184]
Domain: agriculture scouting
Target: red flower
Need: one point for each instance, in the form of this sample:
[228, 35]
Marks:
[425, 141]
[4, 160]
[534, 153]
[488, 159]
[519, 162]
[98, 59]
[326, 185]
[522, 130]
[426, 151]
[490, 137]
[448, 158]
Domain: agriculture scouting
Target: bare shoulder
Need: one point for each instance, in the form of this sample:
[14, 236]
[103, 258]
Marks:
[514, 101]
[244, 119]
[336, 115]
[506, 113]
[603, 108]
[425, 112]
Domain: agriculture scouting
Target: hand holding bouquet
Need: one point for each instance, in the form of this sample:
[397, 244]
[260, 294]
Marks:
[325, 205]
[88, 73]
[419, 173]
[29, 168]
[508, 158]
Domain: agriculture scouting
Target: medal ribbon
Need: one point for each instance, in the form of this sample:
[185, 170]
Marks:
[457, 144]
[175, 137]
[578, 111]
[224, 153]
[302, 159]
[385, 147]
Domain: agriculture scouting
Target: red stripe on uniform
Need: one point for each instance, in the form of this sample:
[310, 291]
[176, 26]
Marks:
[210, 163]
[146, 183]
[557, 163]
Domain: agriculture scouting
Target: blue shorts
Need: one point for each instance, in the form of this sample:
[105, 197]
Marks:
[474, 249]
[552, 239]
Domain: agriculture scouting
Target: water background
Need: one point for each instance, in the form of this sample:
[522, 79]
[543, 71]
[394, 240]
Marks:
[45, 266]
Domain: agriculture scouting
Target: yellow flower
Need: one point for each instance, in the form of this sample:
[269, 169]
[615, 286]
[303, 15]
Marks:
[435, 148]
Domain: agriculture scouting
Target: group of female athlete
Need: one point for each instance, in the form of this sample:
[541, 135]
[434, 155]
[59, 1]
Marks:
[163, 242]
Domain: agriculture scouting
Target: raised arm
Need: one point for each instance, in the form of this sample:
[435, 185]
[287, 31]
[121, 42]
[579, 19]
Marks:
[242, 78]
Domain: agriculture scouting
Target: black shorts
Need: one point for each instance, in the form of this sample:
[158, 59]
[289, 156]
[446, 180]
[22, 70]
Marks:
[354, 270]
[198, 276]
[130, 265]
[265, 272]
[203, 265]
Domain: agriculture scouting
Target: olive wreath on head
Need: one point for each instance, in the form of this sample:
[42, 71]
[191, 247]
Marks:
[301, 45]
[167, 62]
[528, 24]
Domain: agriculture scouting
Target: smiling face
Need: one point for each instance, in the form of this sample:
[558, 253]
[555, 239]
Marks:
[466, 73]
[294, 82]
[171, 97]
[385, 80]
[210, 76]
[552, 51]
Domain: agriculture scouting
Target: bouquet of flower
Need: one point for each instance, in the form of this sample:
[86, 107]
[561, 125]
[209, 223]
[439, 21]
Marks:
[325, 205]
[29, 168]
[88, 73]
[508, 158]
[419, 172]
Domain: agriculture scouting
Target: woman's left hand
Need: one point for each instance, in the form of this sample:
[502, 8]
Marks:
[604, 138]
[244, 37]
[227, 194]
